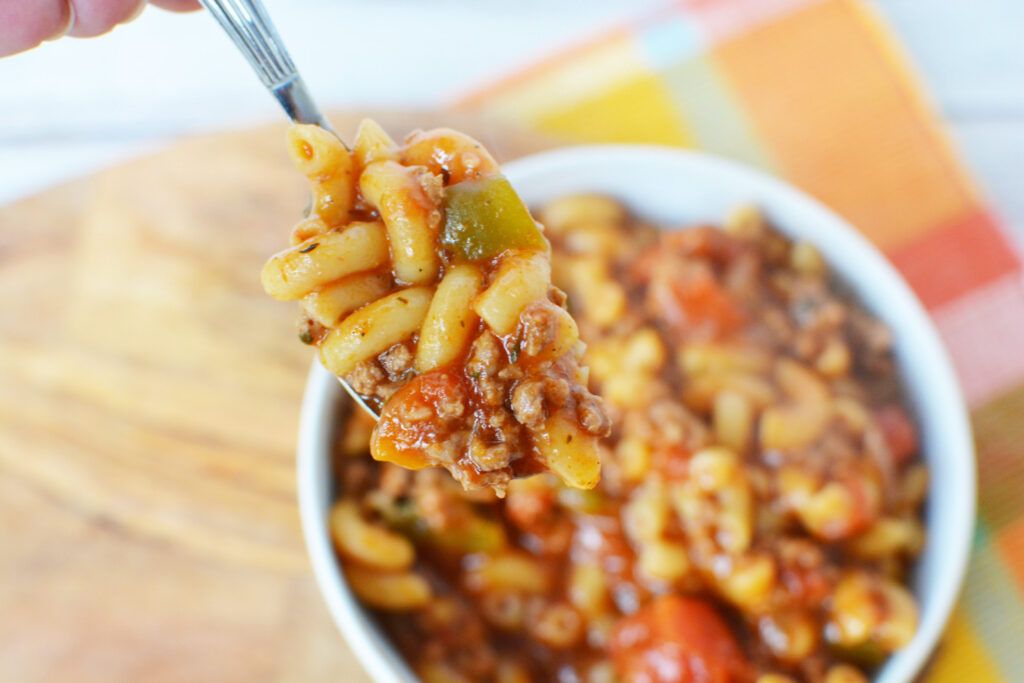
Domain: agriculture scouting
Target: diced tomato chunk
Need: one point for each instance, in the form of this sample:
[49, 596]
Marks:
[401, 441]
[676, 639]
[432, 387]
[671, 461]
[692, 301]
[899, 433]
[386, 448]
[702, 300]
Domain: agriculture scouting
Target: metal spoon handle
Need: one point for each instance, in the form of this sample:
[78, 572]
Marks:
[248, 25]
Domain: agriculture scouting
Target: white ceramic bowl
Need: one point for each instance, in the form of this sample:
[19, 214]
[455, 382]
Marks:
[677, 188]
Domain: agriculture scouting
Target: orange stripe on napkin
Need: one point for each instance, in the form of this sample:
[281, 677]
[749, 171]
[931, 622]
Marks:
[838, 122]
[1011, 545]
[953, 260]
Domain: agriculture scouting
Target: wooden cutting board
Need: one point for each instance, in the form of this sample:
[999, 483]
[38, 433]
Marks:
[149, 403]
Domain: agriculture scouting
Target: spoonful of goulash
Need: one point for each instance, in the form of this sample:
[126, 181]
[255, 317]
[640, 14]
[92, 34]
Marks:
[426, 286]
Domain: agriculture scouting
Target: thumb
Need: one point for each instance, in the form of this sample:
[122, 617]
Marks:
[23, 25]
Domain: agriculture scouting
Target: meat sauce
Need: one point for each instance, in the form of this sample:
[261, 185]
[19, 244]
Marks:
[759, 507]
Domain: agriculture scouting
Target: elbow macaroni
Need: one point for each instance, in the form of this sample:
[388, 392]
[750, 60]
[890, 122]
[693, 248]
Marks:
[323, 259]
[759, 484]
[322, 158]
[450, 320]
[330, 303]
[403, 289]
[521, 279]
[374, 328]
[411, 218]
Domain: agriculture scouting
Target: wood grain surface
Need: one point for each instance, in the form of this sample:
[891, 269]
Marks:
[149, 402]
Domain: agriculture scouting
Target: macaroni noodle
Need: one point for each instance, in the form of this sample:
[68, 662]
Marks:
[426, 286]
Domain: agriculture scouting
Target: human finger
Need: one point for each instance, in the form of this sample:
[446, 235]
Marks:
[176, 5]
[23, 25]
[96, 17]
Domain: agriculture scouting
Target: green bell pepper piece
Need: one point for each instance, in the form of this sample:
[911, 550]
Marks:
[485, 217]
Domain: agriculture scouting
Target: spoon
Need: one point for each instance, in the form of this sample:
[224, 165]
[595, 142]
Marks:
[247, 24]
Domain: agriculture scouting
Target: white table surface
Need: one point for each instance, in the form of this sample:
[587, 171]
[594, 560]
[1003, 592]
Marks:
[74, 106]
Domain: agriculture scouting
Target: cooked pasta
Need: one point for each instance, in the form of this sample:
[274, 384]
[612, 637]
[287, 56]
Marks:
[759, 504]
[450, 320]
[324, 259]
[426, 285]
[374, 328]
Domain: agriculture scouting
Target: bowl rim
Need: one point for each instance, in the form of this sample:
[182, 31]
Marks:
[323, 396]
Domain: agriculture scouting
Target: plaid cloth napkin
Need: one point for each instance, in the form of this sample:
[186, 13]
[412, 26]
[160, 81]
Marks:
[820, 93]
